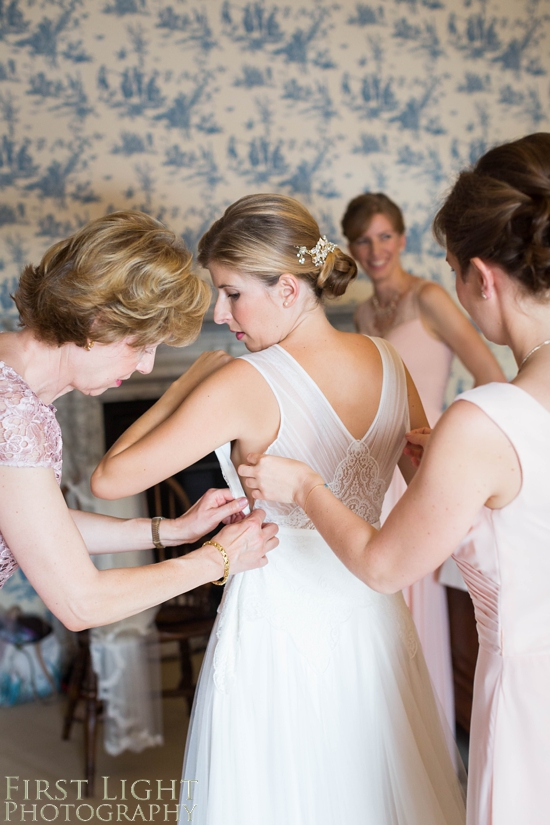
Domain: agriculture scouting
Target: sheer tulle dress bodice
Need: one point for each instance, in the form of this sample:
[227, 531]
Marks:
[507, 570]
[314, 703]
[29, 437]
[358, 470]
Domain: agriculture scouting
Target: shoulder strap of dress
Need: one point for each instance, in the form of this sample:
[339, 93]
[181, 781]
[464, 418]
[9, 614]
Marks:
[393, 408]
[386, 437]
[511, 408]
[295, 390]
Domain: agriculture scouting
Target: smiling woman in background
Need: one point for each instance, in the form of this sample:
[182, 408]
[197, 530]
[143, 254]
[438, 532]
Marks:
[426, 327]
[92, 312]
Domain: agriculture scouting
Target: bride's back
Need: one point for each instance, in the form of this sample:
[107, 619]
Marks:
[347, 424]
[347, 368]
[273, 271]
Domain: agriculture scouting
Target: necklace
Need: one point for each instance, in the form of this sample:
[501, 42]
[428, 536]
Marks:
[530, 353]
[384, 311]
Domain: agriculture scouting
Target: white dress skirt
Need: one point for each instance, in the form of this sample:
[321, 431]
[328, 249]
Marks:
[314, 704]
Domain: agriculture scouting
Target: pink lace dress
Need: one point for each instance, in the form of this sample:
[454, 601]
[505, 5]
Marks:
[29, 437]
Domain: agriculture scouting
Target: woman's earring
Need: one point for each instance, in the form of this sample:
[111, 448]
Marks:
[285, 303]
[484, 296]
[89, 345]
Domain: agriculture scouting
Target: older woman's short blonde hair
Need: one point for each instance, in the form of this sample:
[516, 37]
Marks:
[124, 275]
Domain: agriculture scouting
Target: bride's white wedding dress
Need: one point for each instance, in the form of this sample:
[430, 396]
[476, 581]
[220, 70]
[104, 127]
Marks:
[314, 705]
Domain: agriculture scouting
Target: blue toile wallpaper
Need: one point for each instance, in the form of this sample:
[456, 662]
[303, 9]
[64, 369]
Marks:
[178, 107]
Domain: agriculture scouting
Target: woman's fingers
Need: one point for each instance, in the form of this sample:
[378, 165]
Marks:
[230, 508]
[216, 497]
[419, 436]
[248, 542]
[273, 478]
[416, 443]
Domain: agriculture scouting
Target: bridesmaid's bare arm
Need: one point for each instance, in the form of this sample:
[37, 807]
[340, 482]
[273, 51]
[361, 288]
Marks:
[469, 463]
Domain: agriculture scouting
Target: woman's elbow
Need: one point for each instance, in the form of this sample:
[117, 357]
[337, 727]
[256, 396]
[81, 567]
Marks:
[101, 486]
[79, 606]
[382, 584]
[381, 577]
[72, 616]
[74, 624]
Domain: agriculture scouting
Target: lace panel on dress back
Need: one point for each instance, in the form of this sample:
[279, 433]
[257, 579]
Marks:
[357, 471]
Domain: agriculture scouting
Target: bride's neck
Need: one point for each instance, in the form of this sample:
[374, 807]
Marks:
[311, 326]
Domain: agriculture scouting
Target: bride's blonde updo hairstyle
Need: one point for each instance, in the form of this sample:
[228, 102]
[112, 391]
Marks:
[499, 211]
[260, 236]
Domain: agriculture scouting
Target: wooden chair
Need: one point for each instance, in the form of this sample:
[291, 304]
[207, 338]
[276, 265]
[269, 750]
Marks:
[190, 615]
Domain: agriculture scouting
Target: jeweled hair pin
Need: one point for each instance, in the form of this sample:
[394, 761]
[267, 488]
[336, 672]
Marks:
[318, 252]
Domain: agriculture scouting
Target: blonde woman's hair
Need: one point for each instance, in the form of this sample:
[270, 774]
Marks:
[260, 235]
[122, 275]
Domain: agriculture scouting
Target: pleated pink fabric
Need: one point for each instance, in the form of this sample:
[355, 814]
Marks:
[507, 570]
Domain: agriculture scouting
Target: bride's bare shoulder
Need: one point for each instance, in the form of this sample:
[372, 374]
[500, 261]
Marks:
[362, 345]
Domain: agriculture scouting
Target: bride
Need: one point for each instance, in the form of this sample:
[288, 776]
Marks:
[314, 703]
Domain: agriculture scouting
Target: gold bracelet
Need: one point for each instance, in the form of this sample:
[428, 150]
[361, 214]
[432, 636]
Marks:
[321, 484]
[155, 532]
[225, 558]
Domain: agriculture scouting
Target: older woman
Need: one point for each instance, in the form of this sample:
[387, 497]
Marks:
[92, 312]
[487, 462]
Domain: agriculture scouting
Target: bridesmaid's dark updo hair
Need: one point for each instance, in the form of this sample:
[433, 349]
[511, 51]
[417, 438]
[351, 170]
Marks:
[499, 211]
[260, 235]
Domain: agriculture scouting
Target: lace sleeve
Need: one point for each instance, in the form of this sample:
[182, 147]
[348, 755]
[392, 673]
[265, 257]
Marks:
[29, 432]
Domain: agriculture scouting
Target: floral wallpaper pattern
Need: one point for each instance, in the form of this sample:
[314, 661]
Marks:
[178, 107]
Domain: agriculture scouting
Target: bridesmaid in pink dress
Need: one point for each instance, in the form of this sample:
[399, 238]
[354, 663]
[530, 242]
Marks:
[486, 463]
[427, 329]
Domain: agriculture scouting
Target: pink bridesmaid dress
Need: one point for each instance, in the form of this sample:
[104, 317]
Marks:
[507, 570]
[429, 363]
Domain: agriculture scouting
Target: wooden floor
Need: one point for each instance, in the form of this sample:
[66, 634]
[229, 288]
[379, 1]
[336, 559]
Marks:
[31, 748]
